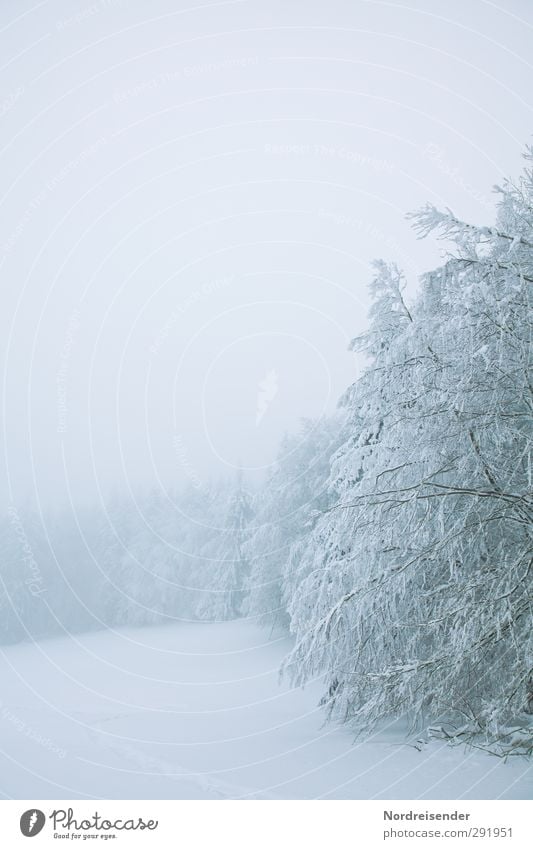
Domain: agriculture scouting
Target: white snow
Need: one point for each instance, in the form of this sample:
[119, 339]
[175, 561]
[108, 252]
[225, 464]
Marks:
[196, 711]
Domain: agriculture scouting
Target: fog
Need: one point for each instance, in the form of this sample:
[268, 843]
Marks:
[192, 196]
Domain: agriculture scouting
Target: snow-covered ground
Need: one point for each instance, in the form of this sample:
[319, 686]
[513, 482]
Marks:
[196, 711]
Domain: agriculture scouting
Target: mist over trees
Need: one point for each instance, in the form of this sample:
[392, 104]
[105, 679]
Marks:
[393, 540]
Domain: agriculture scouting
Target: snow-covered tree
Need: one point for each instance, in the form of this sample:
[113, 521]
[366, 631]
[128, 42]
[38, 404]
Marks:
[286, 508]
[418, 598]
[225, 565]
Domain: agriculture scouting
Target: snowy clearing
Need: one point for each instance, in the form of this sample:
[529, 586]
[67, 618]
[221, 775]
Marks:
[166, 713]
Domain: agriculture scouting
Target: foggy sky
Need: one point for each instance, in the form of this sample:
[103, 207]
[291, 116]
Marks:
[192, 195]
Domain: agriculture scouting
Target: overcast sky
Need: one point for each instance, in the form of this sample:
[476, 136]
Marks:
[192, 194]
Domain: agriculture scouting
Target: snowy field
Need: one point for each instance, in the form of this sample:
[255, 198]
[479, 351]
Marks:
[165, 713]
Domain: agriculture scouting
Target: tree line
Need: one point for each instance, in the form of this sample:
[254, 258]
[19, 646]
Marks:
[392, 539]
